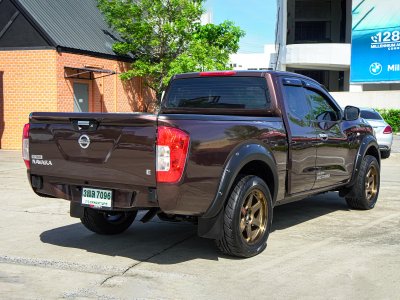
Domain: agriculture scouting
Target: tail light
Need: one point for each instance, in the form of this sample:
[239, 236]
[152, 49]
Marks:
[172, 150]
[25, 146]
[387, 130]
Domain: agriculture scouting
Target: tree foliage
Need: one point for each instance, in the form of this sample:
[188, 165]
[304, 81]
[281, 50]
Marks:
[166, 37]
[392, 117]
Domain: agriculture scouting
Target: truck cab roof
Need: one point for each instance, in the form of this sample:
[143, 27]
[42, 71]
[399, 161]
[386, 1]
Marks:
[248, 73]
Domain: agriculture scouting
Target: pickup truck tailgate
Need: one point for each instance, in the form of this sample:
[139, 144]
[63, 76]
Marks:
[114, 148]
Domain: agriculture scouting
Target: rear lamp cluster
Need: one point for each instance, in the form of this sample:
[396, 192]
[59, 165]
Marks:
[172, 149]
[387, 130]
[25, 146]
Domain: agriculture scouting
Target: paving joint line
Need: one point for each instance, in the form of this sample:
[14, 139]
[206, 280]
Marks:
[2, 171]
[56, 265]
[148, 258]
[35, 212]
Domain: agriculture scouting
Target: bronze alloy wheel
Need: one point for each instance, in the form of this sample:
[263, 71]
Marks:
[253, 216]
[364, 192]
[247, 218]
[371, 183]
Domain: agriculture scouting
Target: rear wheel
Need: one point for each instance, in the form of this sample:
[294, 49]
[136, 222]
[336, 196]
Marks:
[107, 222]
[247, 218]
[385, 154]
[366, 188]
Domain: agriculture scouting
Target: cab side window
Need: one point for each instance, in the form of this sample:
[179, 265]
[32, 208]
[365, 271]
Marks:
[321, 109]
[298, 108]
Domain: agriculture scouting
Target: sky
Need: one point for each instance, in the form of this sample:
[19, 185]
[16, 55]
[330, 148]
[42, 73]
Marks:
[256, 17]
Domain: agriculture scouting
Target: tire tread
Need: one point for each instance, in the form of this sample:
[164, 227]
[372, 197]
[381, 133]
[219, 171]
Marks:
[356, 199]
[385, 154]
[227, 244]
[94, 221]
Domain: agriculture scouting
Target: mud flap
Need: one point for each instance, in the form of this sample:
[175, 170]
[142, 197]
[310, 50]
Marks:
[76, 210]
[211, 228]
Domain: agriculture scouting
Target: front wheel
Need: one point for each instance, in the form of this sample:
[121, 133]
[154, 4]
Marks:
[247, 218]
[107, 222]
[366, 188]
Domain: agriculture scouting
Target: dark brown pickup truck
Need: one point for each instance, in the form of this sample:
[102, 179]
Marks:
[224, 149]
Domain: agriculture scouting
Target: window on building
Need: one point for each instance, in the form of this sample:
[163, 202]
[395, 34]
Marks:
[319, 75]
[316, 21]
[332, 80]
[312, 32]
[313, 9]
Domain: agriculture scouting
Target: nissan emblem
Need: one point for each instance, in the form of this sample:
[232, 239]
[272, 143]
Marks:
[84, 141]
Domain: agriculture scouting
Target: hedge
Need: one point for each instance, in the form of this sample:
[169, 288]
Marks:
[391, 116]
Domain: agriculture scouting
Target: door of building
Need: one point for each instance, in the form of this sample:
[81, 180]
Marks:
[81, 97]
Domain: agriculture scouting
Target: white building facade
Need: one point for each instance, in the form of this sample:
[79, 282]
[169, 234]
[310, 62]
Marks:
[314, 39]
[253, 61]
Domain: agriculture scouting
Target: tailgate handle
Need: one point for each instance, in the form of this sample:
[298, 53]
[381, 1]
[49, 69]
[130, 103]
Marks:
[85, 125]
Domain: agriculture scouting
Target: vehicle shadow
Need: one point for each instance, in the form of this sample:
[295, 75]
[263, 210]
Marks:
[292, 214]
[156, 242]
[171, 243]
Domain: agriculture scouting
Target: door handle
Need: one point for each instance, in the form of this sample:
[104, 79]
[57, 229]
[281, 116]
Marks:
[323, 136]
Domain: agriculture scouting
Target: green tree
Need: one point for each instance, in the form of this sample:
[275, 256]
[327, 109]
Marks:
[166, 37]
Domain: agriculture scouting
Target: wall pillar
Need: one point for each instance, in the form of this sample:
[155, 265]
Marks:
[356, 88]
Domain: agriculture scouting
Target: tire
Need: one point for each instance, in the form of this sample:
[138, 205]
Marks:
[107, 222]
[385, 154]
[366, 188]
[247, 218]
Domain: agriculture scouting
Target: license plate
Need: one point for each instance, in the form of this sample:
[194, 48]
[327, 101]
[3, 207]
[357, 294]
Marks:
[96, 198]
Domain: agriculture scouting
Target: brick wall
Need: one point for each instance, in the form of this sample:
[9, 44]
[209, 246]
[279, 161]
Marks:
[107, 94]
[33, 80]
[27, 83]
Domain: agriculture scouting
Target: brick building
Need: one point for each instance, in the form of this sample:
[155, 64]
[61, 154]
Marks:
[57, 56]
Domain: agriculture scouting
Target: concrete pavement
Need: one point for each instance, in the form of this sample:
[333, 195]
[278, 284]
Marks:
[396, 143]
[318, 249]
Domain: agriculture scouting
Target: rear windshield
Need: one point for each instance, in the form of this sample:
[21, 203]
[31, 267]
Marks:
[370, 115]
[219, 92]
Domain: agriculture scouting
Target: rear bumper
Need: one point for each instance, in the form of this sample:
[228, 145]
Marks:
[124, 197]
[166, 197]
[384, 141]
[384, 147]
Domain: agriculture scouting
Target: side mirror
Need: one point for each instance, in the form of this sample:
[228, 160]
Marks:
[351, 113]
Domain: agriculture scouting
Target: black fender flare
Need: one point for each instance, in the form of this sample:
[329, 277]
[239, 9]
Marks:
[366, 144]
[210, 224]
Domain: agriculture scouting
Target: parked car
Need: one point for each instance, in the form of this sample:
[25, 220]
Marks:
[224, 149]
[383, 131]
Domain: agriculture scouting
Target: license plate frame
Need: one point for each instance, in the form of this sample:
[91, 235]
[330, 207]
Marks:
[97, 198]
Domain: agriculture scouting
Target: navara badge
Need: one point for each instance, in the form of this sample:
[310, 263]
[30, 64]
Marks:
[84, 141]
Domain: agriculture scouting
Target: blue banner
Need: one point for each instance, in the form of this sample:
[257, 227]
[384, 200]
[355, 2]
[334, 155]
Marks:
[375, 49]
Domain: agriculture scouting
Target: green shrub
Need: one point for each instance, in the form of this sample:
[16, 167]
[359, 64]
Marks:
[392, 117]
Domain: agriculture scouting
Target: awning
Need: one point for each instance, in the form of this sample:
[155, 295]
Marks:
[77, 72]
